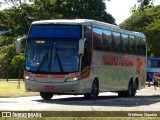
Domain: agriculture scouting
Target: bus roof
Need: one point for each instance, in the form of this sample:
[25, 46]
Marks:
[88, 21]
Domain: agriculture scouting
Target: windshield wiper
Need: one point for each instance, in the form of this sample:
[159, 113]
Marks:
[59, 61]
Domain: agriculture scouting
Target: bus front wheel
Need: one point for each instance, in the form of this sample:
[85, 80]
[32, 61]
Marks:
[46, 95]
[94, 92]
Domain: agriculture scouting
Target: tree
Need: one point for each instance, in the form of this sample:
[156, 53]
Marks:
[18, 62]
[6, 55]
[71, 9]
[143, 4]
[148, 23]
[152, 32]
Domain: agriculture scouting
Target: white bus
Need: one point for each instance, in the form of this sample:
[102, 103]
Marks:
[83, 57]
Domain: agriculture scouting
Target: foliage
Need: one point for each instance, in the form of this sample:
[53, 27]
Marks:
[143, 4]
[16, 19]
[148, 23]
[18, 61]
[71, 9]
[6, 55]
[152, 32]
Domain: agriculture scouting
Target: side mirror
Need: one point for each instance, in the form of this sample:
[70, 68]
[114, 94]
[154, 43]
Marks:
[81, 46]
[18, 45]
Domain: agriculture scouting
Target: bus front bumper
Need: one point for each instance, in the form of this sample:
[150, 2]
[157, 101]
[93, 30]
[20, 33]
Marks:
[57, 88]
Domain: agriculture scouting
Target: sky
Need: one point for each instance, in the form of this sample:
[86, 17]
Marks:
[120, 9]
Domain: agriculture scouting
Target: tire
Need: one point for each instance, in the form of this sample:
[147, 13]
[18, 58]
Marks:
[94, 92]
[130, 89]
[46, 95]
[135, 87]
[130, 92]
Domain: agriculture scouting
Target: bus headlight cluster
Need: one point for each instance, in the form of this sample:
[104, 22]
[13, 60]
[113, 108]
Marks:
[72, 79]
[28, 77]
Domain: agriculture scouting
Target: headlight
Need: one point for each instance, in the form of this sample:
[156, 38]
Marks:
[28, 77]
[72, 79]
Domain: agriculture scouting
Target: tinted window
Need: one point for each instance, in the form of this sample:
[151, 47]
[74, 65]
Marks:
[54, 31]
[132, 43]
[87, 35]
[123, 43]
[107, 39]
[115, 41]
[143, 46]
[138, 45]
[97, 33]
[153, 63]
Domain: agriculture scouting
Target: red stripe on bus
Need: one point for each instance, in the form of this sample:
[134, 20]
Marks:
[41, 76]
[26, 73]
[58, 76]
[74, 74]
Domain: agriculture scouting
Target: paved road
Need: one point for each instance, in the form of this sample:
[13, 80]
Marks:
[146, 99]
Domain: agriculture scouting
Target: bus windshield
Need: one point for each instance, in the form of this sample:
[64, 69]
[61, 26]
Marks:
[53, 49]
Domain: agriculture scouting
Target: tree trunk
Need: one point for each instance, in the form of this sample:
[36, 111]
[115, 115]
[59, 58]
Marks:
[19, 77]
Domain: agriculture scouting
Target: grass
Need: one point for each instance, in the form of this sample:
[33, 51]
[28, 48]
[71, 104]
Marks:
[10, 90]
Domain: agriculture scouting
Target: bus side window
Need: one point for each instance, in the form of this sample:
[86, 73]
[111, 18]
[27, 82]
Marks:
[87, 35]
[143, 46]
[123, 43]
[115, 41]
[107, 39]
[138, 45]
[128, 46]
[133, 45]
[97, 39]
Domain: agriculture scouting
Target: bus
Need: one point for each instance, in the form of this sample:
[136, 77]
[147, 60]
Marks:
[153, 66]
[83, 57]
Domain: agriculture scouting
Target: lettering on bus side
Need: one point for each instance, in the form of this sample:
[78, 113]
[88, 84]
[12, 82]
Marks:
[126, 60]
[118, 60]
[109, 59]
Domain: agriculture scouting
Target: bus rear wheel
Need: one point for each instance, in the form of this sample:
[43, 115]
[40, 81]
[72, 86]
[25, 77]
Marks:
[46, 95]
[94, 92]
[130, 92]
